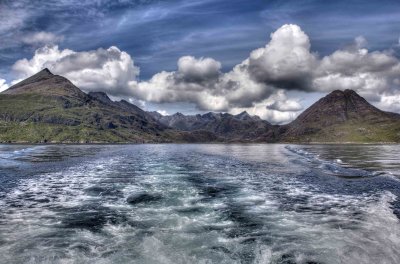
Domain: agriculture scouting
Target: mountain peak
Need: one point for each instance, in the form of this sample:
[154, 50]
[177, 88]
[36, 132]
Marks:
[178, 114]
[243, 115]
[349, 99]
[43, 75]
[46, 83]
[350, 91]
[211, 115]
[345, 93]
[338, 106]
[340, 114]
[45, 72]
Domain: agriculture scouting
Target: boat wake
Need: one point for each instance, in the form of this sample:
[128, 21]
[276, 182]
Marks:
[334, 167]
[192, 204]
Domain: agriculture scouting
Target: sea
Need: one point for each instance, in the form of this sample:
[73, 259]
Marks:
[200, 203]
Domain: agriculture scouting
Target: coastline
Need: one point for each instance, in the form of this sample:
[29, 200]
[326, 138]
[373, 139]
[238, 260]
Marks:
[196, 143]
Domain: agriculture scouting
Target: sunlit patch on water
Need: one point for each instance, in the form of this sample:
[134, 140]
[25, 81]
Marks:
[196, 204]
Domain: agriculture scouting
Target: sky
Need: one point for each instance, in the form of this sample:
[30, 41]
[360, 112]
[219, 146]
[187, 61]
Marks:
[270, 58]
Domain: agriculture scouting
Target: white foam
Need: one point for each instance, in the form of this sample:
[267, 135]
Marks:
[284, 215]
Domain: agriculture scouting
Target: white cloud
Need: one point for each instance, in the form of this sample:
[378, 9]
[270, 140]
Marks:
[256, 85]
[389, 102]
[11, 19]
[196, 81]
[42, 38]
[286, 61]
[3, 85]
[108, 70]
[163, 112]
[369, 73]
[198, 70]
[277, 108]
[278, 117]
[273, 116]
[280, 102]
[140, 103]
[200, 81]
[241, 90]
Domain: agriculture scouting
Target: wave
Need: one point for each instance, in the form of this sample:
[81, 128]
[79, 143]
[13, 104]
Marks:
[213, 209]
[18, 153]
[335, 167]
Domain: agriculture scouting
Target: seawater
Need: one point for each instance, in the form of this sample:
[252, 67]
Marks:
[200, 203]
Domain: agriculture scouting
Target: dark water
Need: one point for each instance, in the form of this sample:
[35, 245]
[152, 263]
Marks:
[200, 204]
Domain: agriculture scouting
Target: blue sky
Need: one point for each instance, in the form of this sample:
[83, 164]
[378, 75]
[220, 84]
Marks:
[157, 33]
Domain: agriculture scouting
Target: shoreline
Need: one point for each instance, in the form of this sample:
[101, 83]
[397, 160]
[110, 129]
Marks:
[197, 143]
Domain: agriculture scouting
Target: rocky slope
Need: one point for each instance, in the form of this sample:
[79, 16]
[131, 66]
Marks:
[343, 116]
[49, 108]
[241, 127]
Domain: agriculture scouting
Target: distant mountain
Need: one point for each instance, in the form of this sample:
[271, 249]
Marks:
[49, 108]
[343, 116]
[241, 127]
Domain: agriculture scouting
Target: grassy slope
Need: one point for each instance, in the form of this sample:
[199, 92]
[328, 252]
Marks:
[36, 118]
[354, 131]
[19, 115]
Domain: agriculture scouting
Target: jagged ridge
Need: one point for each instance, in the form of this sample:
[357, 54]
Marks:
[49, 108]
[241, 127]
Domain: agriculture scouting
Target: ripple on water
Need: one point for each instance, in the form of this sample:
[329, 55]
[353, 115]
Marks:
[198, 204]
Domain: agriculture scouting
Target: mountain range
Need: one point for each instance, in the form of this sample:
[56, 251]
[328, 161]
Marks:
[226, 127]
[48, 108]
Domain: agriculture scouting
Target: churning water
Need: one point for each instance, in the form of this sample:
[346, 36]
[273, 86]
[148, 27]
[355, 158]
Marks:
[200, 204]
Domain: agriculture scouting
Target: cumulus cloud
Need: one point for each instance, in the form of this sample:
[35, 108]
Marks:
[162, 112]
[249, 83]
[277, 108]
[109, 70]
[280, 102]
[286, 61]
[194, 70]
[196, 81]
[42, 38]
[357, 69]
[3, 85]
[389, 102]
[199, 81]
[375, 75]
[257, 84]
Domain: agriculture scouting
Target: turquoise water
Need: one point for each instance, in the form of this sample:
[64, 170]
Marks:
[199, 204]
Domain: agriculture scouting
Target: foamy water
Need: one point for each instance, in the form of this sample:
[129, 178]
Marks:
[199, 204]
